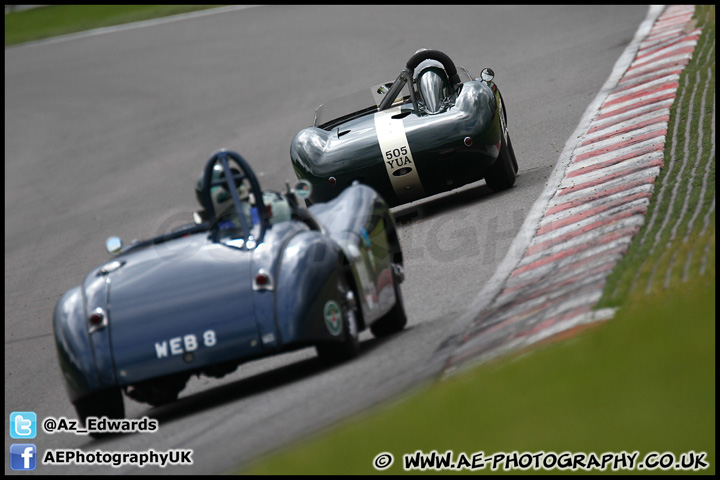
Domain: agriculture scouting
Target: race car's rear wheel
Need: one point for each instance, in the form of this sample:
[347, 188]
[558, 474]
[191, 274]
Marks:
[106, 403]
[158, 391]
[511, 151]
[395, 320]
[501, 175]
[349, 346]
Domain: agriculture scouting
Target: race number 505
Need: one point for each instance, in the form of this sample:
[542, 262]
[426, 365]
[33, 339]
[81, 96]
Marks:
[397, 157]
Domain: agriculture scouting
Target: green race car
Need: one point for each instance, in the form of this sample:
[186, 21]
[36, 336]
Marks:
[432, 130]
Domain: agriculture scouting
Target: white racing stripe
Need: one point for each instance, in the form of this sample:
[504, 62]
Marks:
[397, 156]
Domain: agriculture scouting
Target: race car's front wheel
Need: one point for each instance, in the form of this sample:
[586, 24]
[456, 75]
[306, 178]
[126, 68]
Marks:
[501, 175]
[349, 346]
[106, 403]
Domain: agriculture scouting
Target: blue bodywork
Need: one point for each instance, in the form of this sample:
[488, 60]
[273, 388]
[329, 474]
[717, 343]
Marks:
[187, 304]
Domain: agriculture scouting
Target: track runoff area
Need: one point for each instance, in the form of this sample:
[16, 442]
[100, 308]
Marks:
[584, 222]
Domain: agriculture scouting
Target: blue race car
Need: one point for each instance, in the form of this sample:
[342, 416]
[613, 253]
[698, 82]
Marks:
[256, 274]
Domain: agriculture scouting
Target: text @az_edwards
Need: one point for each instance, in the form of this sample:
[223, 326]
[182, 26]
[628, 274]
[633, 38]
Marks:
[100, 425]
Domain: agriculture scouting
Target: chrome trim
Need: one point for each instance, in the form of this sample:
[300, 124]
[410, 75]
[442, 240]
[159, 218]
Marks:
[350, 297]
[111, 267]
[114, 245]
[399, 271]
[236, 242]
[302, 189]
[487, 75]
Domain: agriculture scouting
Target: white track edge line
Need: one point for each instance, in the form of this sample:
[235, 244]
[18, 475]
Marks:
[527, 230]
[133, 25]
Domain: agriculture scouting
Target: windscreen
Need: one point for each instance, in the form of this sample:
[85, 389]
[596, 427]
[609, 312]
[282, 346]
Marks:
[354, 105]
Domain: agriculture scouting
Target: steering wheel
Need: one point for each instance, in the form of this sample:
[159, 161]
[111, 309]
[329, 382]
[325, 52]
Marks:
[231, 181]
[407, 73]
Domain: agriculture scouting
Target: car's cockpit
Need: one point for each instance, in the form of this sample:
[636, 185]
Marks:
[235, 211]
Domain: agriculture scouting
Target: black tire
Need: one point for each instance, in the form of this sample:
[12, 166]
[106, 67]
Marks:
[158, 391]
[106, 403]
[396, 319]
[507, 135]
[501, 175]
[511, 151]
[336, 352]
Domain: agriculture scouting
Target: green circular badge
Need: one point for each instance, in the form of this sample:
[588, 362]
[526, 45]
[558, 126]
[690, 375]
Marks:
[333, 318]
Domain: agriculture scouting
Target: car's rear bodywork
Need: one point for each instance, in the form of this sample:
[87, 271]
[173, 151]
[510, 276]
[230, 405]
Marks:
[193, 303]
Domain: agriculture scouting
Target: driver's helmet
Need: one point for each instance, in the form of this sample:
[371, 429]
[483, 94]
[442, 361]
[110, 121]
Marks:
[433, 84]
[222, 201]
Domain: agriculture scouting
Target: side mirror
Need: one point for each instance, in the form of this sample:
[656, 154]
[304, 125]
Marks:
[114, 245]
[487, 75]
[302, 189]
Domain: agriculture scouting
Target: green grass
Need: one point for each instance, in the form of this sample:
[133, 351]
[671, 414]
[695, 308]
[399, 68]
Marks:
[643, 381]
[44, 22]
[648, 261]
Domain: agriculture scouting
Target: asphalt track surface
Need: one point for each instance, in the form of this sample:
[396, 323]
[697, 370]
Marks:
[106, 134]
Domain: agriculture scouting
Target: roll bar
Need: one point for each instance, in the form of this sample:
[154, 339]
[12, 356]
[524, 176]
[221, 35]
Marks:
[230, 181]
[407, 73]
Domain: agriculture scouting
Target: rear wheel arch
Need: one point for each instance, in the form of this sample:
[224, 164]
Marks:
[349, 347]
[393, 239]
[347, 270]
